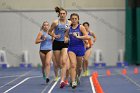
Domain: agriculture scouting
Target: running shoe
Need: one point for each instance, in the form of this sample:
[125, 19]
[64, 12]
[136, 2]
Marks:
[44, 76]
[74, 85]
[84, 73]
[66, 82]
[56, 79]
[47, 80]
[87, 73]
[78, 80]
[62, 84]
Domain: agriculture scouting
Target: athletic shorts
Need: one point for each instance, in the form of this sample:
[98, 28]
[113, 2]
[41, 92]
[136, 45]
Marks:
[44, 51]
[59, 45]
[88, 48]
[78, 50]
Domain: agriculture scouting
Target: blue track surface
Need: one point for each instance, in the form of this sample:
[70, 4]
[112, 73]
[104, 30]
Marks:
[29, 80]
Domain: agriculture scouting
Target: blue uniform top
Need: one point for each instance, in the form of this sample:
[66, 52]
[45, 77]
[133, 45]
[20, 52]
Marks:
[60, 30]
[73, 40]
[47, 44]
[89, 34]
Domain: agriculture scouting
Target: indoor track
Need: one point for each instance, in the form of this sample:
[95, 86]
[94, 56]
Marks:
[29, 80]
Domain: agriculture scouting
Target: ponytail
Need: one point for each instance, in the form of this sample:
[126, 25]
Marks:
[58, 9]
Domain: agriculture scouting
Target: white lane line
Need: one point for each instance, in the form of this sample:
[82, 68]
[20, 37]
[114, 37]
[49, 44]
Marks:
[9, 76]
[22, 82]
[38, 76]
[107, 76]
[132, 81]
[15, 79]
[43, 91]
[92, 86]
[53, 86]
[16, 85]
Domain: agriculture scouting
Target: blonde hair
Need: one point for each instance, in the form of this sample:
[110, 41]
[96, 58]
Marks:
[42, 28]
